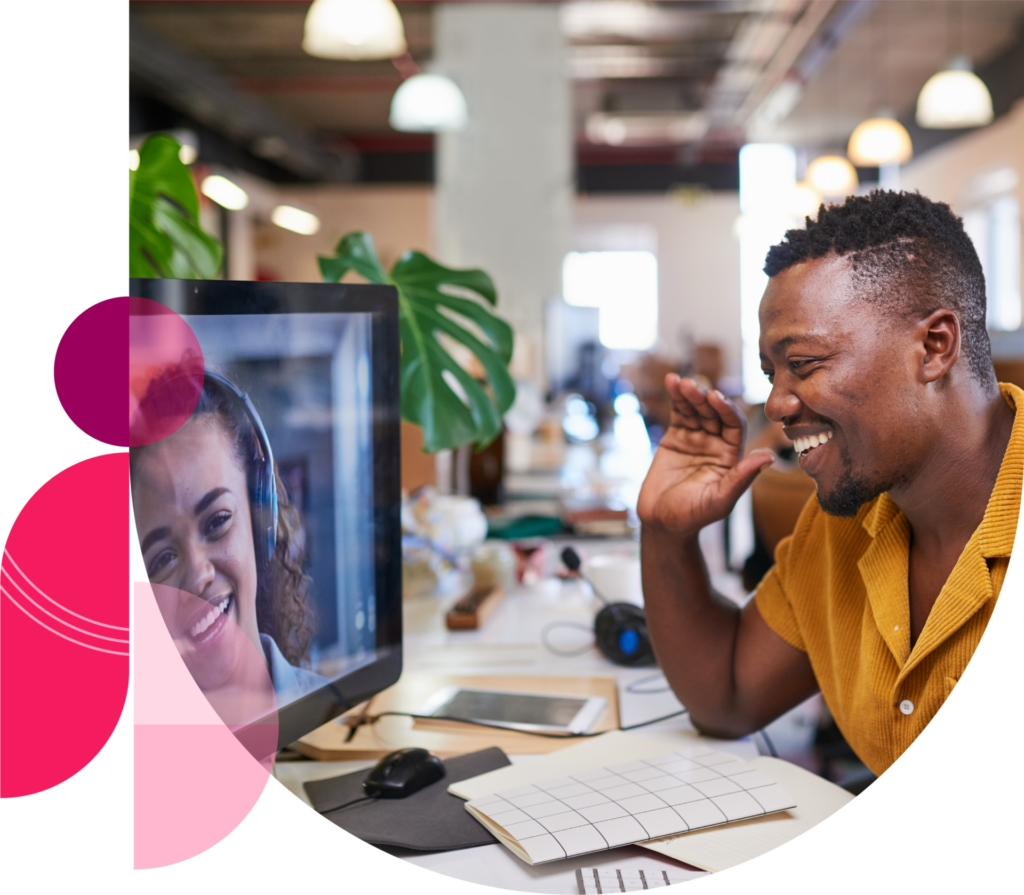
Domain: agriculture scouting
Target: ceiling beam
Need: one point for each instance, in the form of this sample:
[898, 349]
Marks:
[195, 89]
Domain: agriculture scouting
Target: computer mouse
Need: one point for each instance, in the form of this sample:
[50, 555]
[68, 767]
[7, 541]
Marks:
[402, 773]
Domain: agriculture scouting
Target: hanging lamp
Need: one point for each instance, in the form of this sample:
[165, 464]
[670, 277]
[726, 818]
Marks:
[832, 175]
[354, 29]
[880, 141]
[954, 97]
[428, 103]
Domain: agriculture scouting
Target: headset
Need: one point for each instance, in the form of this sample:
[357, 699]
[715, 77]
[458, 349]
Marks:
[620, 628]
[259, 473]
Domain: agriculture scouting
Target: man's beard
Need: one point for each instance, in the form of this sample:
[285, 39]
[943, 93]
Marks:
[853, 491]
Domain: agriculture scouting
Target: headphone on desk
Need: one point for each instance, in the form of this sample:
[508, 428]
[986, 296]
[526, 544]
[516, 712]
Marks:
[259, 472]
[620, 628]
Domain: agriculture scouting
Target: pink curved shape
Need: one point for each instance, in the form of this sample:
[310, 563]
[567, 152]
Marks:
[200, 765]
[35, 587]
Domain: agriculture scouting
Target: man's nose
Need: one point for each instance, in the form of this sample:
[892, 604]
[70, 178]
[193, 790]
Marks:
[782, 404]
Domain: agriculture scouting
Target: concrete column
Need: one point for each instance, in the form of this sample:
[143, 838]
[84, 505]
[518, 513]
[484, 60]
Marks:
[505, 183]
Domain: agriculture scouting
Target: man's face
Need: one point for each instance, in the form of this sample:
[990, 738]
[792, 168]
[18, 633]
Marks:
[842, 374]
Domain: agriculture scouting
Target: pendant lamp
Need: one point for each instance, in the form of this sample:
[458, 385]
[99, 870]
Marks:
[354, 29]
[832, 175]
[956, 97]
[879, 141]
[428, 102]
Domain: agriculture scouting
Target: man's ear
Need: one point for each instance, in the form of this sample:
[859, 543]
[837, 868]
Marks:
[939, 341]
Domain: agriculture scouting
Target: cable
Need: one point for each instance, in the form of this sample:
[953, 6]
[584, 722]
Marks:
[565, 653]
[768, 742]
[633, 687]
[373, 719]
[353, 802]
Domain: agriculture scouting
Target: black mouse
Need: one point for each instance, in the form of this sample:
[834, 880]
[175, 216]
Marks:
[402, 773]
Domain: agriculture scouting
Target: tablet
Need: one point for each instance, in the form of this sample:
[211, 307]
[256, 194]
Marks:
[545, 712]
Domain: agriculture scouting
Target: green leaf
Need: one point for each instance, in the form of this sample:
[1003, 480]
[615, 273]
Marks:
[416, 269]
[164, 236]
[450, 417]
[355, 252]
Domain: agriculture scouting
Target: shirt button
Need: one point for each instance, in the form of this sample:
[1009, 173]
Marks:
[907, 707]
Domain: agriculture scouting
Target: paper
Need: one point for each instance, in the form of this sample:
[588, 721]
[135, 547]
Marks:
[602, 880]
[723, 847]
[634, 801]
[713, 849]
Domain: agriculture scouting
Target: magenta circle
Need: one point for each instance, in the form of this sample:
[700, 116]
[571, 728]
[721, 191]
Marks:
[139, 340]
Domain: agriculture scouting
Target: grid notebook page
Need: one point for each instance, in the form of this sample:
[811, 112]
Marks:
[623, 804]
[601, 880]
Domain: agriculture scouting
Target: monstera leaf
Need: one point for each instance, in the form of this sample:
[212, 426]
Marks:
[164, 236]
[438, 394]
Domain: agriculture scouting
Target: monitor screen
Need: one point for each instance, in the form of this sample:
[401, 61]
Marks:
[305, 560]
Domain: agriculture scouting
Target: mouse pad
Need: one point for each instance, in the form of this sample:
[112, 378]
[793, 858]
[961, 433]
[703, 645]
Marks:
[429, 820]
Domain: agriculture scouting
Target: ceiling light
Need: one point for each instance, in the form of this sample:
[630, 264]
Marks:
[133, 159]
[354, 29]
[295, 219]
[956, 97]
[832, 175]
[188, 153]
[428, 103]
[880, 141]
[650, 129]
[225, 193]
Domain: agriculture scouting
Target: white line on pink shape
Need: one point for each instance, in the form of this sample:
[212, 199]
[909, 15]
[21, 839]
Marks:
[65, 636]
[55, 603]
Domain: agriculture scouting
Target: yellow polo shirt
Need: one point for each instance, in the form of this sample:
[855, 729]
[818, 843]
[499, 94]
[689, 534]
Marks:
[839, 592]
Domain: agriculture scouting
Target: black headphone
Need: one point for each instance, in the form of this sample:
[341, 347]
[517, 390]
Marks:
[620, 628]
[259, 473]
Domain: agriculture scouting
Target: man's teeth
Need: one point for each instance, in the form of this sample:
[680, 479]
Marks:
[215, 612]
[811, 441]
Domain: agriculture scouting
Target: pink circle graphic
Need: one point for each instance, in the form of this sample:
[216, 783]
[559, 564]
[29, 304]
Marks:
[63, 626]
[203, 754]
[156, 348]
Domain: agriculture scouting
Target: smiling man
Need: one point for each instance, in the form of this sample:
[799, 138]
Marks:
[873, 337]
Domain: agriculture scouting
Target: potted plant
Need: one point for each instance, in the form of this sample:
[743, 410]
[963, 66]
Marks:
[438, 307]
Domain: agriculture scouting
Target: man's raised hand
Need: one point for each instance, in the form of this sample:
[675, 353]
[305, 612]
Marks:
[699, 471]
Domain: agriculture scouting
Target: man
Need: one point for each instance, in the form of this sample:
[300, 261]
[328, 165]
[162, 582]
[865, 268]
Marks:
[873, 337]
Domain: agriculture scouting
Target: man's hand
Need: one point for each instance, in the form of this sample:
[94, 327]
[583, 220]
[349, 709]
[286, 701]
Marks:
[699, 471]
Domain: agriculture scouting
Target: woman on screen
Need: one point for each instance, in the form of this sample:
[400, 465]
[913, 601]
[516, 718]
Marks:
[215, 523]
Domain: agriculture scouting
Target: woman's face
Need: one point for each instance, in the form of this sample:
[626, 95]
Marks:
[192, 514]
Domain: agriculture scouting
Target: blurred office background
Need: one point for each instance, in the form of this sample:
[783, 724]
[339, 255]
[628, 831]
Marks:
[619, 167]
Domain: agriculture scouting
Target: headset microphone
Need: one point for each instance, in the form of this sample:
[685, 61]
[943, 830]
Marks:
[620, 628]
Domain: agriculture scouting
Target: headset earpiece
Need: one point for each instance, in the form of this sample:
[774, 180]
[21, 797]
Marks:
[262, 481]
[621, 632]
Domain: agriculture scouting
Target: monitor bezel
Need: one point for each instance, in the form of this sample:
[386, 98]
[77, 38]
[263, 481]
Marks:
[223, 297]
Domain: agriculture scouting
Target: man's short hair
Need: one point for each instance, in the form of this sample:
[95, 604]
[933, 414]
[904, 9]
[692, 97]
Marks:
[909, 254]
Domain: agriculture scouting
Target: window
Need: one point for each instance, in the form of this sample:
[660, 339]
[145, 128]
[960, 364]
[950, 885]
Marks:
[624, 287]
[993, 223]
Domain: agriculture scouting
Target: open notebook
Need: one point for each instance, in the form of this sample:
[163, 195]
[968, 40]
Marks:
[636, 801]
[712, 848]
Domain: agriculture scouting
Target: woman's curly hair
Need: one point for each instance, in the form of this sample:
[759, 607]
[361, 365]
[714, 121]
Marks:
[283, 589]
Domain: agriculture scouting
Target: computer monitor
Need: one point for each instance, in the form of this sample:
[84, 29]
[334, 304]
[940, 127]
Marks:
[309, 374]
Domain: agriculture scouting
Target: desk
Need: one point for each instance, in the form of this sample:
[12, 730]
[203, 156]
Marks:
[509, 643]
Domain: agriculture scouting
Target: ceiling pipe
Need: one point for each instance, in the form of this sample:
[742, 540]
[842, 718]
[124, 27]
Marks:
[193, 88]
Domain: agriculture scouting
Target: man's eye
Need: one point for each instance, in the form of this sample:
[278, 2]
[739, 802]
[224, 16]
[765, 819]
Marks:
[770, 374]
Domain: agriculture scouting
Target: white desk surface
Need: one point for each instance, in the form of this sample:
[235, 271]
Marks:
[509, 643]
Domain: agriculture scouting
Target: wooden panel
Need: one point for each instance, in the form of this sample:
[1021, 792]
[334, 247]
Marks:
[327, 743]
